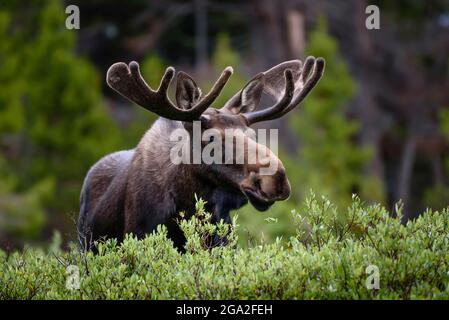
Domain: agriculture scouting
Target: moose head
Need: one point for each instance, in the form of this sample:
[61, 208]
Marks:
[287, 83]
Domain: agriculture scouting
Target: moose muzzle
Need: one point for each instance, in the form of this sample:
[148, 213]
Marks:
[266, 181]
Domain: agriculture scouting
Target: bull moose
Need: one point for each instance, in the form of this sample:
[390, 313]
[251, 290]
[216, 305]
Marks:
[136, 190]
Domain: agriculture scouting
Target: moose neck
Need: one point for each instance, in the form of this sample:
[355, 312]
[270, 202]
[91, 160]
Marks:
[153, 164]
[179, 182]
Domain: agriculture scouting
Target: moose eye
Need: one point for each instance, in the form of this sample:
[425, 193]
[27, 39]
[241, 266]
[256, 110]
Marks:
[204, 122]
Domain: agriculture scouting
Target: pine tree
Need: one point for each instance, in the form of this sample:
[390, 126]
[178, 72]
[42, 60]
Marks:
[52, 121]
[436, 196]
[329, 161]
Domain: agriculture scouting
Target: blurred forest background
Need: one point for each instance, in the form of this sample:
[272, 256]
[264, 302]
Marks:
[376, 125]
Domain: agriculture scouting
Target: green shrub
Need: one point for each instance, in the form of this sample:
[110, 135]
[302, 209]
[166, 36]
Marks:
[326, 259]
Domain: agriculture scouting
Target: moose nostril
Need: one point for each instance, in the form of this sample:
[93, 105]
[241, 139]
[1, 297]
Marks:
[255, 180]
[286, 190]
[281, 174]
[283, 185]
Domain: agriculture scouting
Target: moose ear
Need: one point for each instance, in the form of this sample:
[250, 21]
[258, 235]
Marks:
[187, 92]
[247, 99]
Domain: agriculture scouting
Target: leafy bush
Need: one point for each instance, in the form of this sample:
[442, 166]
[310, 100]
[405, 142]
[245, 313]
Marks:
[327, 258]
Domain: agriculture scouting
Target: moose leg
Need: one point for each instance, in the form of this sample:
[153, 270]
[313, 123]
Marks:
[102, 225]
[102, 218]
[176, 235]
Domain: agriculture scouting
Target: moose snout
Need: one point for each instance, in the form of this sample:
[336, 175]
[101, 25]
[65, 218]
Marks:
[278, 186]
[285, 188]
[267, 188]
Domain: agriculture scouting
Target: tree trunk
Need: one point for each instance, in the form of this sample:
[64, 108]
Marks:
[200, 33]
[405, 175]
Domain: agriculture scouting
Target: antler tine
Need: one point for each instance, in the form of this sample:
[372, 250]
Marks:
[261, 115]
[128, 81]
[310, 75]
[308, 86]
[308, 67]
[215, 91]
[164, 84]
[166, 80]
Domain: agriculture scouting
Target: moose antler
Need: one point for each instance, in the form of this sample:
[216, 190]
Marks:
[298, 83]
[128, 81]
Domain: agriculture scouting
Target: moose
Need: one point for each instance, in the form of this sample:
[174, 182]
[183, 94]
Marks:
[134, 191]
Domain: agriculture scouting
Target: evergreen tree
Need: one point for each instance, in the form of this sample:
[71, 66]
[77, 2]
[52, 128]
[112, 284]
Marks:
[52, 121]
[436, 196]
[329, 161]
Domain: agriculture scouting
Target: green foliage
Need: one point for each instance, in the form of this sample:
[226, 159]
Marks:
[199, 230]
[22, 214]
[436, 196]
[265, 226]
[51, 114]
[325, 259]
